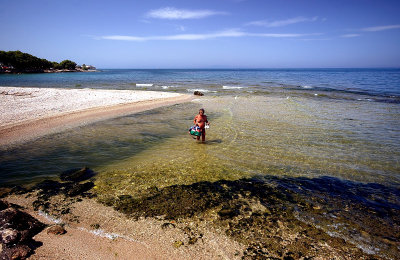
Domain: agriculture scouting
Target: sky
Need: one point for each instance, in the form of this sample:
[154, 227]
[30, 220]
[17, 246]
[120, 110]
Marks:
[206, 33]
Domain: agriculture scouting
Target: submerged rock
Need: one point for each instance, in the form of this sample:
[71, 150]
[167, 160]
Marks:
[78, 189]
[262, 215]
[77, 175]
[5, 191]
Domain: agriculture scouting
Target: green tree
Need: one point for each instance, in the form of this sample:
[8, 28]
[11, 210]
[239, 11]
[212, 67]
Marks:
[68, 64]
[23, 61]
[55, 65]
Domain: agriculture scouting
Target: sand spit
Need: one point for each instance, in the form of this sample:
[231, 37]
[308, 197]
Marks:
[29, 113]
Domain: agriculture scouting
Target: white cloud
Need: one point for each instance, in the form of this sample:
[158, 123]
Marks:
[122, 38]
[281, 23]
[276, 35]
[351, 35]
[381, 28]
[177, 14]
[191, 37]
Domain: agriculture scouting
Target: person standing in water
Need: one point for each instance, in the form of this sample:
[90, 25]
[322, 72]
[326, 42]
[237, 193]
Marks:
[201, 121]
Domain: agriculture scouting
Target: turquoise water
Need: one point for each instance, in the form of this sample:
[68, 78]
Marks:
[334, 133]
[384, 83]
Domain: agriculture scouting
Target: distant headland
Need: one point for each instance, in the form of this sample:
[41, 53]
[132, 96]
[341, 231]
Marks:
[20, 62]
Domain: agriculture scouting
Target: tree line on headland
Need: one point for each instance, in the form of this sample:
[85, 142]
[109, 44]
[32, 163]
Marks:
[20, 62]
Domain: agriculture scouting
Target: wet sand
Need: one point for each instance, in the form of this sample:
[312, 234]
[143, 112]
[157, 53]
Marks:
[29, 113]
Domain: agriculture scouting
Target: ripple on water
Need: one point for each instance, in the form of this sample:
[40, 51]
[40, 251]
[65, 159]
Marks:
[300, 138]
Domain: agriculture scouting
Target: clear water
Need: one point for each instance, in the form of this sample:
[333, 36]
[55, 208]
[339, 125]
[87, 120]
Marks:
[342, 124]
[373, 82]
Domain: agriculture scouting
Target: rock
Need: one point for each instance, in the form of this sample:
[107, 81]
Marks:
[77, 175]
[25, 224]
[65, 211]
[78, 189]
[48, 186]
[95, 226]
[228, 213]
[4, 205]
[40, 205]
[56, 230]
[16, 252]
[9, 236]
[198, 93]
[4, 192]
[167, 225]
[6, 217]
[192, 240]
[16, 231]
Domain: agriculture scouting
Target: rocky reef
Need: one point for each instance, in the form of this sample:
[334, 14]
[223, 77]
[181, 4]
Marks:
[273, 217]
[281, 218]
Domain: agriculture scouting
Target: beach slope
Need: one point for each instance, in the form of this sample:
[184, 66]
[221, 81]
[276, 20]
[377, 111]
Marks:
[29, 113]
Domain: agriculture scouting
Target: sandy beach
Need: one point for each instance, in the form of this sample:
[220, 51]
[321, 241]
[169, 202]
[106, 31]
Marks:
[29, 113]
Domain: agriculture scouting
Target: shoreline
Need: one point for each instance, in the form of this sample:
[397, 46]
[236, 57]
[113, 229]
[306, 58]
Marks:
[30, 113]
[241, 219]
[96, 231]
[45, 71]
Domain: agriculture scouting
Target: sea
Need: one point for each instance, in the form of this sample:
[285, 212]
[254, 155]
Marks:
[331, 133]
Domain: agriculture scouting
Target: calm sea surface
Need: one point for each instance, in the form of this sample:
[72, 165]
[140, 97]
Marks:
[339, 125]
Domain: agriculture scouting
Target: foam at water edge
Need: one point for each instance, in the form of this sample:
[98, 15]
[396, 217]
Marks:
[102, 233]
[230, 87]
[144, 85]
[49, 217]
[167, 87]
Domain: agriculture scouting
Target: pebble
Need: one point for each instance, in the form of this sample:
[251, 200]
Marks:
[56, 230]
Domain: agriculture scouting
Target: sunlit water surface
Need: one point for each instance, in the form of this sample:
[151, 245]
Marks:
[250, 136]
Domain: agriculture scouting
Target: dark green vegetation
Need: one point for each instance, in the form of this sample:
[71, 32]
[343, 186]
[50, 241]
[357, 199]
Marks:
[20, 62]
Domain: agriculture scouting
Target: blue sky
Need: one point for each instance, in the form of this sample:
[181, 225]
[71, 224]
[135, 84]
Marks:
[206, 34]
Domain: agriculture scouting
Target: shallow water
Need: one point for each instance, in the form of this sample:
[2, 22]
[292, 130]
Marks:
[252, 135]
[337, 147]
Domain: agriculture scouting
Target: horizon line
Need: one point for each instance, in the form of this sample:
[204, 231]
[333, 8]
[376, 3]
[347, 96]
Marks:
[249, 68]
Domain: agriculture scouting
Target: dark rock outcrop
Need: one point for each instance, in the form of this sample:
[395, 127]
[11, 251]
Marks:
[16, 231]
[198, 93]
[263, 214]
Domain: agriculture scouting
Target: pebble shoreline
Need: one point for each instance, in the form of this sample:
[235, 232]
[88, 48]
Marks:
[29, 113]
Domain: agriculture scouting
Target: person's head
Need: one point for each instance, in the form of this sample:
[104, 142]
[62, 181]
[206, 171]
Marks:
[201, 111]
